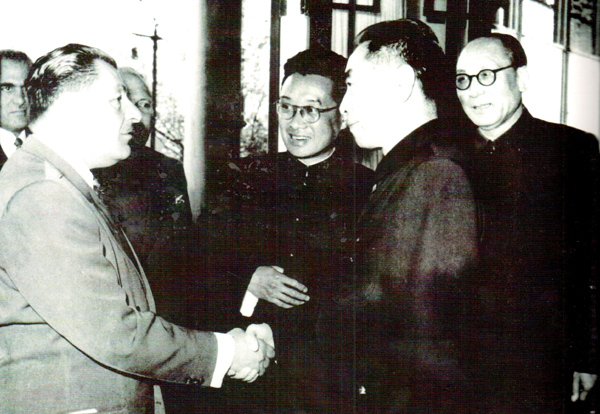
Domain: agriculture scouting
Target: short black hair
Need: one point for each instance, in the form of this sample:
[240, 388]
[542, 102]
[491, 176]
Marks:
[16, 56]
[414, 43]
[66, 68]
[319, 61]
[513, 48]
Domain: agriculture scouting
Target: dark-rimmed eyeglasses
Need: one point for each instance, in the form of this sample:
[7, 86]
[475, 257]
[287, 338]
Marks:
[486, 77]
[309, 114]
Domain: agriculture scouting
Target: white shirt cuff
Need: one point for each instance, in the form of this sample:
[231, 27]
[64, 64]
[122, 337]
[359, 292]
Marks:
[248, 304]
[225, 353]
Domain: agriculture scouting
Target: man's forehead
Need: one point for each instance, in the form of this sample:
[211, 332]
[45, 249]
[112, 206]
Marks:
[357, 57]
[317, 86]
[133, 84]
[483, 51]
[108, 74]
[14, 70]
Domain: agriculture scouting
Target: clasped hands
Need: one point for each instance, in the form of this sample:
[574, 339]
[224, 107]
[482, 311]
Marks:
[270, 284]
[253, 350]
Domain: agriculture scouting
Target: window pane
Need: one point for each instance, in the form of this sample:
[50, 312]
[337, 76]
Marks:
[582, 22]
[256, 36]
[538, 21]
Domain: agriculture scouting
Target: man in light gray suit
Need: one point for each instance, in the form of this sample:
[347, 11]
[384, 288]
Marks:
[78, 329]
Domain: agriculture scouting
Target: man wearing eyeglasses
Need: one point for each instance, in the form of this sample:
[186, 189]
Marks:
[147, 192]
[536, 185]
[293, 216]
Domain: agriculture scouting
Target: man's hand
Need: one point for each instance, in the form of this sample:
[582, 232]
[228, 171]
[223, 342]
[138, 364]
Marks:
[261, 332]
[269, 283]
[253, 349]
[582, 384]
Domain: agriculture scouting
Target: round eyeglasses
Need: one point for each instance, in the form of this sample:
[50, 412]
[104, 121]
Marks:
[486, 77]
[309, 114]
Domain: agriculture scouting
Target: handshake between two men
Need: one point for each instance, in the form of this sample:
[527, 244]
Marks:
[253, 351]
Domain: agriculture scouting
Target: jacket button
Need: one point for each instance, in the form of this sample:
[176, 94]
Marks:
[194, 381]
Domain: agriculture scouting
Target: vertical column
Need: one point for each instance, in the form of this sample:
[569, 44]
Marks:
[563, 30]
[276, 12]
[194, 159]
[456, 26]
[320, 14]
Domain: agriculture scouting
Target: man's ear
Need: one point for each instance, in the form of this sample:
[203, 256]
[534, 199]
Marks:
[522, 78]
[406, 81]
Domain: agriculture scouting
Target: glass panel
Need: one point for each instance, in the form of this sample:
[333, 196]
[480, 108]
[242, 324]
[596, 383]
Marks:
[538, 21]
[582, 22]
[256, 46]
[339, 37]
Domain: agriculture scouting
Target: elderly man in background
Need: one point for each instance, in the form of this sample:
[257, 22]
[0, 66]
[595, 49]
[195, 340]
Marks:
[14, 115]
[416, 233]
[537, 187]
[147, 192]
[78, 331]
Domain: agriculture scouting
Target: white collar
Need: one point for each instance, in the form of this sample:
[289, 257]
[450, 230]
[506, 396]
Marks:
[7, 141]
[67, 154]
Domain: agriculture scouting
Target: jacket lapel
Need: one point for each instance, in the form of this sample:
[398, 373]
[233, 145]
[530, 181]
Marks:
[37, 148]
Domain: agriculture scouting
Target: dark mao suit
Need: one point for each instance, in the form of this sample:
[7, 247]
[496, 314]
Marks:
[537, 191]
[417, 246]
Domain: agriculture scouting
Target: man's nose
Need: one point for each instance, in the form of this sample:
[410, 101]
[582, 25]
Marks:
[344, 106]
[476, 88]
[131, 111]
[297, 120]
[20, 96]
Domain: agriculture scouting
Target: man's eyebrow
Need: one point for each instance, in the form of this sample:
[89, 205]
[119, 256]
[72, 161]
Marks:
[347, 74]
[316, 101]
[7, 84]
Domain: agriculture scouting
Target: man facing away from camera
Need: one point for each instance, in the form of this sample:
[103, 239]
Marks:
[78, 331]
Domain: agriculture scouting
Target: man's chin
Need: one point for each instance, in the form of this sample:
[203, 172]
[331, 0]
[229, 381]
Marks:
[124, 154]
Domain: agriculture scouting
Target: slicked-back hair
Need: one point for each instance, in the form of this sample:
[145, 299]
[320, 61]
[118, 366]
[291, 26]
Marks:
[414, 43]
[322, 62]
[513, 48]
[15, 56]
[69, 67]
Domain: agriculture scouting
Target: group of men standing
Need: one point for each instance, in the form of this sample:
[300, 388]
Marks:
[459, 277]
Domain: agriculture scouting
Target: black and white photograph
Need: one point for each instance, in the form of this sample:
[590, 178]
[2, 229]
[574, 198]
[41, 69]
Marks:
[299, 206]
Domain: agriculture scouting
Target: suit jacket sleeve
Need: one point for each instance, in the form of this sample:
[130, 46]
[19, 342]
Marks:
[64, 267]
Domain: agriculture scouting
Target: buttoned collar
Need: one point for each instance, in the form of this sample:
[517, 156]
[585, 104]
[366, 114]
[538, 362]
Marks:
[517, 134]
